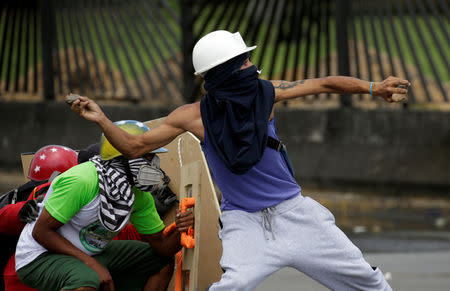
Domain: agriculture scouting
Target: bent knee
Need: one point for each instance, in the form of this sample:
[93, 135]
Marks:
[87, 281]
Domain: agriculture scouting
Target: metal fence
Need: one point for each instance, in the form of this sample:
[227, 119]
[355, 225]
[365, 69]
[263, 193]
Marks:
[139, 50]
[119, 50]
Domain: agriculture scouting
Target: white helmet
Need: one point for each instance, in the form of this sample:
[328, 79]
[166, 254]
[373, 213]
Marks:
[216, 48]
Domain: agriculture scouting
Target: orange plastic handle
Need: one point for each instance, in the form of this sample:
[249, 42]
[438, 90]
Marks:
[187, 241]
[168, 230]
[179, 274]
[187, 238]
[186, 203]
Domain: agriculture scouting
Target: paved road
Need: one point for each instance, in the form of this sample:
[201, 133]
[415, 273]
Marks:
[422, 271]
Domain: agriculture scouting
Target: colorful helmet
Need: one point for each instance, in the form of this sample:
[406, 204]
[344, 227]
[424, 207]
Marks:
[49, 159]
[216, 48]
[107, 151]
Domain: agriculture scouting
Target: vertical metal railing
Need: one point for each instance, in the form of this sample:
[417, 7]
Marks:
[187, 22]
[342, 17]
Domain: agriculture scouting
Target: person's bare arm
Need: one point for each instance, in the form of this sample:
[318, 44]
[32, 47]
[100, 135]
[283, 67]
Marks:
[285, 90]
[169, 245]
[164, 246]
[45, 233]
[132, 146]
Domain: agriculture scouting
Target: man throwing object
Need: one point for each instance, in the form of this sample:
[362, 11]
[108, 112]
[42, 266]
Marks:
[267, 223]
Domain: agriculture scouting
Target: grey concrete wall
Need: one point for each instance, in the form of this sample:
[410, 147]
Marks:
[26, 127]
[327, 147]
[375, 148]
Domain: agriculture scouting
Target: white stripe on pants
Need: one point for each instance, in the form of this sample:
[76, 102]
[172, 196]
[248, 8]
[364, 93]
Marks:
[298, 233]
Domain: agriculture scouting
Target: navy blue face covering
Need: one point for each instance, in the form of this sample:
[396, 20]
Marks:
[235, 113]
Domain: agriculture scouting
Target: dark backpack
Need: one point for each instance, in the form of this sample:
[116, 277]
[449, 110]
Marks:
[164, 197]
[22, 192]
[18, 194]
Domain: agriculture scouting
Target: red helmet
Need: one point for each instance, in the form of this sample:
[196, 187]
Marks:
[49, 159]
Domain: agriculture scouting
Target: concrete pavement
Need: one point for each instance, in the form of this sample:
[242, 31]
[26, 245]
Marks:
[414, 271]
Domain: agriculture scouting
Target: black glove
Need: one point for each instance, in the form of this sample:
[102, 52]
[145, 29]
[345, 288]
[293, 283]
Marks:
[29, 211]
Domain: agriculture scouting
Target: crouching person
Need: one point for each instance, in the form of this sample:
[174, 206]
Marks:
[71, 247]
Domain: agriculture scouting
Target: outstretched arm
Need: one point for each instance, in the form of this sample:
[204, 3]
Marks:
[285, 90]
[132, 146]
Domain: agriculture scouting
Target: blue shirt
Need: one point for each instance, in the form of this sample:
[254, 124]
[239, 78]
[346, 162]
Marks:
[266, 184]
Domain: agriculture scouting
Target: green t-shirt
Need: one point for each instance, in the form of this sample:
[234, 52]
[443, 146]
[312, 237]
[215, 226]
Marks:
[78, 186]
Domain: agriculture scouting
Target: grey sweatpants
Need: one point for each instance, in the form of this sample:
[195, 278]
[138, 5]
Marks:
[298, 233]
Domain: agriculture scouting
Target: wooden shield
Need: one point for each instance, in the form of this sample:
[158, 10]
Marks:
[186, 166]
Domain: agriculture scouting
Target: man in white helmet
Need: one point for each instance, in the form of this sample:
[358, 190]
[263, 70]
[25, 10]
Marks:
[266, 222]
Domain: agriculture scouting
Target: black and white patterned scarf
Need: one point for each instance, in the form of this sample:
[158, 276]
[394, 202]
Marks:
[115, 189]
